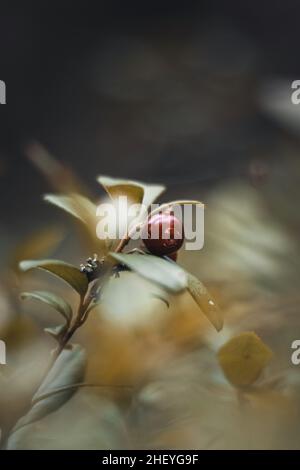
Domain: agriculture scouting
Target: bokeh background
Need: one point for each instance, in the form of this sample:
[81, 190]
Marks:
[194, 95]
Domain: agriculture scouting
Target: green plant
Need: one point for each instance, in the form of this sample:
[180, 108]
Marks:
[67, 367]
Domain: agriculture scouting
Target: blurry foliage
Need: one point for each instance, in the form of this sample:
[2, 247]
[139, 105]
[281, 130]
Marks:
[66, 371]
[156, 374]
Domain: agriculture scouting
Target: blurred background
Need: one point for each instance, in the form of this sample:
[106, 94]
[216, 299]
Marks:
[193, 95]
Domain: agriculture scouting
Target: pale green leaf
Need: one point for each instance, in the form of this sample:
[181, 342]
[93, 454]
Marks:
[65, 271]
[164, 273]
[75, 204]
[53, 300]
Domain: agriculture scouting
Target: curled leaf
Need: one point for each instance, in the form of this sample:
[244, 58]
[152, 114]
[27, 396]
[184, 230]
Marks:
[53, 300]
[164, 273]
[68, 369]
[206, 303]
[69, 273]
[243, 358]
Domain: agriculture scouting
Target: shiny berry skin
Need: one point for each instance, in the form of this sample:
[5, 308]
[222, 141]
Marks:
[159, 234]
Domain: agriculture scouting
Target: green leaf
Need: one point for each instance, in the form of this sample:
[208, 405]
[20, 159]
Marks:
[202, 297]
[136, 191]
[75, 204]
[164, 273]
[53, 300]
[65, 271]
[243, 358]
[56, 332]
[68, 370]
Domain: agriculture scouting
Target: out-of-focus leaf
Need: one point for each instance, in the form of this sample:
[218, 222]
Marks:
[65, 271]
[167, 275]
[51, 299]
[56, 331]
[243, 358]
[39, 243]
[202, 297]
[68, 370]
[60, 177]
[136, 191]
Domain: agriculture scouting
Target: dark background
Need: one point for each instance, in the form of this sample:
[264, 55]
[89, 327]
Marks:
[161, 91]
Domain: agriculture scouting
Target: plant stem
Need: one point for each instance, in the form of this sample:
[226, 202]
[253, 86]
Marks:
[82, 307]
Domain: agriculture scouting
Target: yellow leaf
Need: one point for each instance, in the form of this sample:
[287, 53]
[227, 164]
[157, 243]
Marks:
[243, 358]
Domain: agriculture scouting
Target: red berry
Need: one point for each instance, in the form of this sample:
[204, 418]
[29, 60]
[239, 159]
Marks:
[163, 234]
